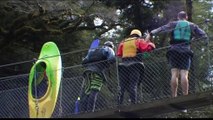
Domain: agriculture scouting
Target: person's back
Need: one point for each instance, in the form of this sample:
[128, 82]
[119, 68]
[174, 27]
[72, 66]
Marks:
[181, 30]
[130, 49]
[98, 59]
[96, 63]
[179, 54]
[131, 67]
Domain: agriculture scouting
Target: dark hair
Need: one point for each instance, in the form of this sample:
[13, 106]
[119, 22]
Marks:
[134, 35]
[182, 15]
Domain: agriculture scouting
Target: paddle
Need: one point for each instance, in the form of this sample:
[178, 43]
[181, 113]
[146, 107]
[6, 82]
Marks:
[94, 44]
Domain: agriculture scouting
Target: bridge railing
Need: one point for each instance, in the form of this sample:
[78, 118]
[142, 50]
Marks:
[154, 83]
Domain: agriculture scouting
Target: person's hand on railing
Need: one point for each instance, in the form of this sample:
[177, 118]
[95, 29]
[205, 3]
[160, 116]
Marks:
[205, 38]
[148, 37]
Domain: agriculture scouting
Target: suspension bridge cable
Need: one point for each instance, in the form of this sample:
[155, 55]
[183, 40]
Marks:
[193, 40]
[34, 59]
[14, 76]
[16, 63]
[76, 51]
[71, 52]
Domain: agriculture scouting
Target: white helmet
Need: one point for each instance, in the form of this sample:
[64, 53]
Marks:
[109, 43]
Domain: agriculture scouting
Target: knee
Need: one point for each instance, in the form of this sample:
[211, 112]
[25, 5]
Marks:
[184, 78]
[174, 82]
[174, 79]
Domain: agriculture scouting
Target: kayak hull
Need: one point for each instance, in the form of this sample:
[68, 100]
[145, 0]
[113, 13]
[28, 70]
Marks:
[44, 82]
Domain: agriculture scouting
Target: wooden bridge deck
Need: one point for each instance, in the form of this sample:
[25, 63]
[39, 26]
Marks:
[157, 107]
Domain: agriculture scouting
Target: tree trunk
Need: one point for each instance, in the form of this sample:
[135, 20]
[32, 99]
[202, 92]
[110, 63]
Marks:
[189, 9]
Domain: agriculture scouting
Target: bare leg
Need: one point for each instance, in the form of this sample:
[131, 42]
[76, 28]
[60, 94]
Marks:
[184, 81]
[174, 81]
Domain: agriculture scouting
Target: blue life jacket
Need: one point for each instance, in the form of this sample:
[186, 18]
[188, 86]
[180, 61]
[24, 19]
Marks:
[182, 31]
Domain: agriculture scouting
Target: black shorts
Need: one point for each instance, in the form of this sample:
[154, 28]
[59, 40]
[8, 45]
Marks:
[180, 58]
[180, 61]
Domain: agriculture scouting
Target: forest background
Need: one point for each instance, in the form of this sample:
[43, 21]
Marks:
[25, 25]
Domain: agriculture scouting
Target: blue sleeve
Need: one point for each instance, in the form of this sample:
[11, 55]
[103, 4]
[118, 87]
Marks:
[165, 28]
[86, 59]
[198, 31]
[168, 27]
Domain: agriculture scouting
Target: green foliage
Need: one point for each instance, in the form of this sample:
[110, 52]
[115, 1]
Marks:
[202, 10]
[25, 27]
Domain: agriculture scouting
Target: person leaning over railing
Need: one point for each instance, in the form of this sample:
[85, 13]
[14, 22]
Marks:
[96, 62]
[131, 67]
[179, 54]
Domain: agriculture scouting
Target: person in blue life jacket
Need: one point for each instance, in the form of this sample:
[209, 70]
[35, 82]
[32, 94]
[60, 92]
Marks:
[180, 54]
[95, 74]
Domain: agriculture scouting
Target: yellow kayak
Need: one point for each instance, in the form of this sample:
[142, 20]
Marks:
[44, 82]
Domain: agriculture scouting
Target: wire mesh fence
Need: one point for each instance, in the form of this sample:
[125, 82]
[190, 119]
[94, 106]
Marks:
[153, 84]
